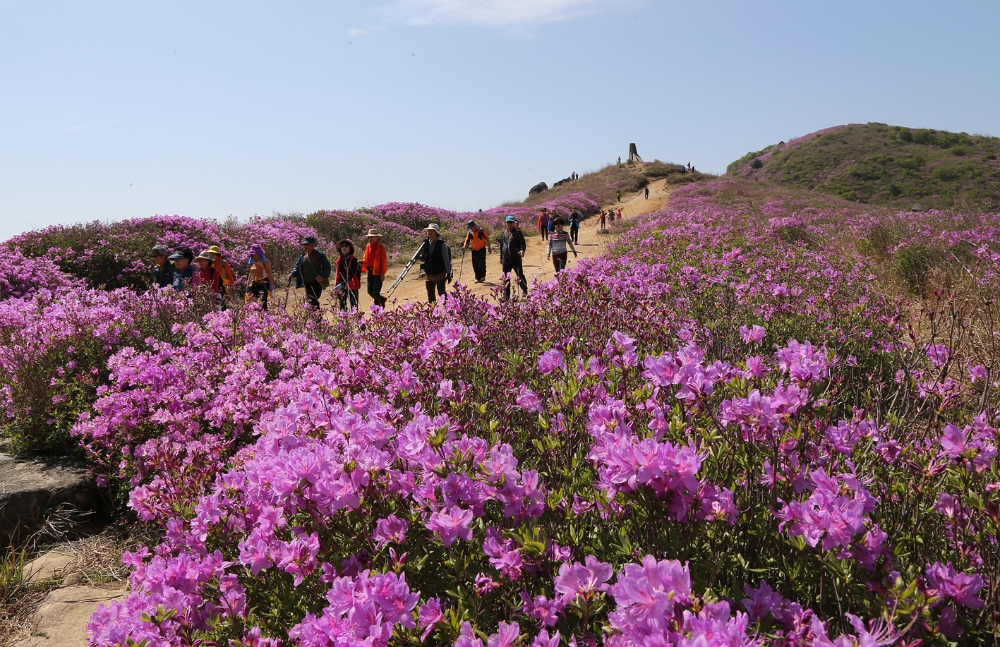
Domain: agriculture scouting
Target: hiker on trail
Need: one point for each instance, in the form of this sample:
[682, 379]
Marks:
[543, 223]
[223, 267]
[619, 214]
[574, 227]
[647, 193]
[207, 278]
[312, 271]
[557, 246]
[512, 248]
[619, 160]
[163, 274]
[618, 194]
[375, 263]
[183, 259]
[478, 241]
[604, 220]
[348, 277]
[260, 276]
[436, 264]
[611, 216]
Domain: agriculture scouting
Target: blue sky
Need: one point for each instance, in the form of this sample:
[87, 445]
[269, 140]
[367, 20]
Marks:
[119, 109]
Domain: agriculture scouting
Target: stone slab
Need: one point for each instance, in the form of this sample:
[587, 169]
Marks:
[62, 619]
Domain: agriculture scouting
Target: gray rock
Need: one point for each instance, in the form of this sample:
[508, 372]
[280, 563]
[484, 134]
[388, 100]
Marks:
[29, 488]
[63, 617]
[538, 188]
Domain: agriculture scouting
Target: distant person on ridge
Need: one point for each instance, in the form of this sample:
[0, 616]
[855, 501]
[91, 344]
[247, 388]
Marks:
[163, 274]
[543, 223]
[312, 271]
[478, 241]
[618, 194]
[647, 193]
[376, 263]
[259, 277]
[557, 246]
[574, 227]
[348, 278]
[512, 248]
[619, 160]
[183, 259]
[436, 264]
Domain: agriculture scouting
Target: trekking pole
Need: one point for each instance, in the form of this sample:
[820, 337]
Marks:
[461, 265]
[287, 286]
[399, 279]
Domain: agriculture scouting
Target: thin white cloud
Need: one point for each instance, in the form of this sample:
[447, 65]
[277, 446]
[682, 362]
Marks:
[518, 14]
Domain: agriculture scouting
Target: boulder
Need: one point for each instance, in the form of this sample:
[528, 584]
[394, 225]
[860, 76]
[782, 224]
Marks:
[29, 488]
[62, 619]
[538, 188]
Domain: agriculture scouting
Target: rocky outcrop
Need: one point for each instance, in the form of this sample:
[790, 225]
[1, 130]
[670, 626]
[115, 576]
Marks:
[31, 488]
[538, 188]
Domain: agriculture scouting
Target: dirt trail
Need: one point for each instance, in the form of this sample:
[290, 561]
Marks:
[592, 243]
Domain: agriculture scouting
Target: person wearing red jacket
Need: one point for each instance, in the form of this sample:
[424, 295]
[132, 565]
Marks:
[348, 280]
[207, 279]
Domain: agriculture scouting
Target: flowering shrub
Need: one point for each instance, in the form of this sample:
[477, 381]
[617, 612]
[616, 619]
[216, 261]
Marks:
[23, 276]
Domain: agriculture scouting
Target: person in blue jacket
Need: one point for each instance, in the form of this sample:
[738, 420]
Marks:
[312, 271]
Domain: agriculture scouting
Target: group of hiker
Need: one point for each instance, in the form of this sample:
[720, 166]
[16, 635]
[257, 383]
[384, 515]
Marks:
[547, 224]
[209, 273]
[605, 216]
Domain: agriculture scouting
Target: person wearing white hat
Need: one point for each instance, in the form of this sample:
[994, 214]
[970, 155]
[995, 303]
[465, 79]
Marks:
[436, 264]
[376, 263]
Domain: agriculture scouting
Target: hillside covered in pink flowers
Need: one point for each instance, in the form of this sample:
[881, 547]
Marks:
[766, 416]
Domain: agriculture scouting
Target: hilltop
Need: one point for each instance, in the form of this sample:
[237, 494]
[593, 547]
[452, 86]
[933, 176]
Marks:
[880, 164]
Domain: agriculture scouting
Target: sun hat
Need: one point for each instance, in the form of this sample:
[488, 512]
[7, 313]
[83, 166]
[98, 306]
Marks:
[510, 219]
[308, 240]
[374, 234]
[433, 227]
[348, 242]
[176, 256]
[214, 249]
[204, 255]
[257, 249]
[181, 252]
[471, 224]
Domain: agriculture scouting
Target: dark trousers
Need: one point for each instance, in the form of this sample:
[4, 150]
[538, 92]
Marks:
[513, 266]
[479, 263]
[259, 292]
[375, 289]
[437, 284]
[574, 234]
[314, 289]
[559, 261]
[350, 300]
[544, 232]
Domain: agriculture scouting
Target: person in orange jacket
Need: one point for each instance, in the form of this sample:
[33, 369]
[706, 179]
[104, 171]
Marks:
[376, 263]
[543, 223]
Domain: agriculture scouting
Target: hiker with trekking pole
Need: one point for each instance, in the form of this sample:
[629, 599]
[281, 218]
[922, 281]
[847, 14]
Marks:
[557, 246]
[260, 277]
[348, 276]
[512, 248]
[312, 271]
[436, 264]
[478, 240]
